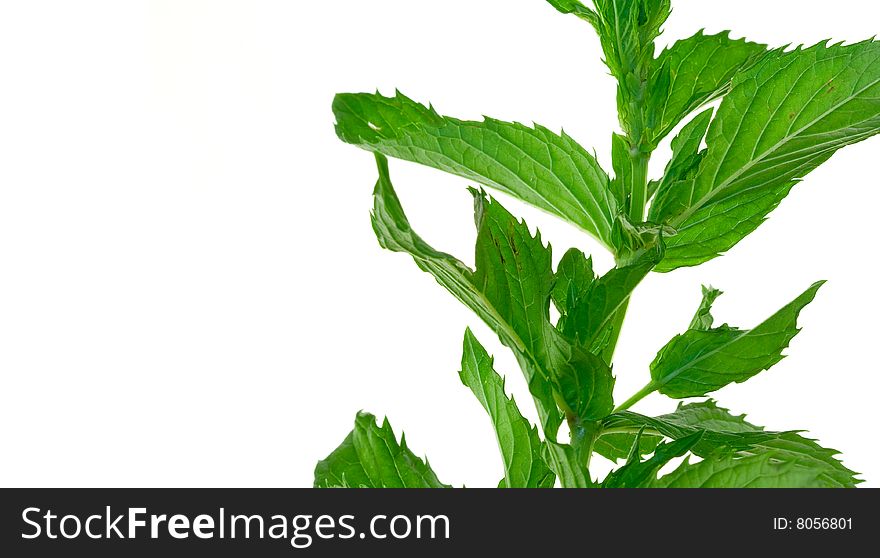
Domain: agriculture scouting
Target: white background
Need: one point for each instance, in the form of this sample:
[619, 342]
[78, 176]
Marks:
[190, 291]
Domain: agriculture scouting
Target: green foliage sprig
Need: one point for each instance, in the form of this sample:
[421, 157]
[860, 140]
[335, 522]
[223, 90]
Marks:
[783, 113]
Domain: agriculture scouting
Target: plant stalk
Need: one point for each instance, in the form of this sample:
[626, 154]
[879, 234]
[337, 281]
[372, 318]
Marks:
[639, 187]
[638, 396]
[583, 436]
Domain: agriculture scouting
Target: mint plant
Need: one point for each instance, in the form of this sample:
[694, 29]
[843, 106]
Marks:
[782, 113]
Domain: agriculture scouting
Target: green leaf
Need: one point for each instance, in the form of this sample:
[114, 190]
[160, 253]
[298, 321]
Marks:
[574, 277]
[693, 72]
[703, 319]
[619, 445]
[511, 265]
[667, 426]
[571, 293]
[371, 457]
[563, 459]
[549, 171]
[588, 312]
[701, 361]
[718, 226]
[762, 470]
[624, 172]
[521, 448]
[510, 290]
[686, 158]
[724, 433]
[708, 415]
[640, 474]
[583, 381]
[627, 29]
[784, 117]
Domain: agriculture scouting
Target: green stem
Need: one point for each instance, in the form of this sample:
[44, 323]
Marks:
[641, 394]
[639, 188]
[583, 436]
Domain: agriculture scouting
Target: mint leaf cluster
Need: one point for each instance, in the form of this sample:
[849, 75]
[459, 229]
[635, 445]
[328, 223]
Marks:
[782, 113]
